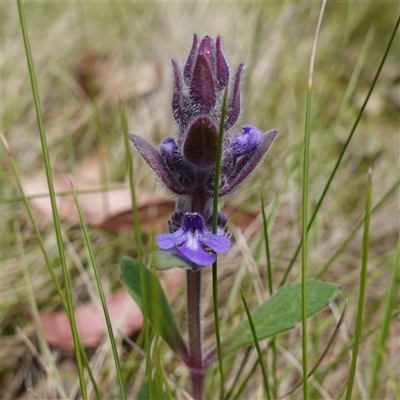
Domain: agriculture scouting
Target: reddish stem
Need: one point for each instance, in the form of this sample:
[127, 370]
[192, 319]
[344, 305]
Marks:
[195, 332]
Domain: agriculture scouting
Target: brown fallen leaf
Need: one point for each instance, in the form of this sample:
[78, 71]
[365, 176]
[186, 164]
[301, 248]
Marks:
[124, 314]
[108, 210]
[99, 77]
[112, 210]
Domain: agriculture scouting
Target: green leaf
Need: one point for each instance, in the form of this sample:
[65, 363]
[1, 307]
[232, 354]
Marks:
[156, 307]
[167, 259]
[281, 312]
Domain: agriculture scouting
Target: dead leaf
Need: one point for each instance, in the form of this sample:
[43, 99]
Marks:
[124, 314]
[99, 77]
[107, 210]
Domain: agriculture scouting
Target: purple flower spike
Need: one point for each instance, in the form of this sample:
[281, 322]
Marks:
[193, 242]
[245, 142]
[186, 164]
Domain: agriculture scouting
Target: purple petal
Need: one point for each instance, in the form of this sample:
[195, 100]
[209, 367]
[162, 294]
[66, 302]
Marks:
[233, 109]
[222, 66]
[245, 142]
[192, 251]
[247, 164]
[167, 241]
[187, 72]
[177, 111]
[220, 244]
[201, 141]
[202, 88]
[154, 159]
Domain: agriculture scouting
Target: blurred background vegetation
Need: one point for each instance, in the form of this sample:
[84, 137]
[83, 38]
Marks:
[90, 56]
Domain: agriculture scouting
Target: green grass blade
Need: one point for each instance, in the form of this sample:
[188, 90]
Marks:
[304, 248]
[259, 352]
[267, 252]
[355, 230]
[101, 294]
[45, 254]
[166, 384]
[304, 204]
[384, 325]
[344, 148]
[271, 291]
[214, 230]
[363, 280]
[239, 373]
[341, 393]
[138, 238]
[246, 380]
[56, 219]
[35, 312]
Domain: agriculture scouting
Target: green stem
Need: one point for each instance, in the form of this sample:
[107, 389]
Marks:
[305, 208]
[384, 326]
[102, 296]
[138, 239]
[214, 230]
[363, 281]
[257, 344]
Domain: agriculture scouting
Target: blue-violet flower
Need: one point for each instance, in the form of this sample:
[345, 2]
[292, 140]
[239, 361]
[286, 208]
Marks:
[192, 240]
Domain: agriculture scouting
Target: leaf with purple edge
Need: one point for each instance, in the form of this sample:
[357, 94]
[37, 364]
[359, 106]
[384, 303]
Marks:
[154, 159]
[202, 88]
[187, 72]
[233, 110]
[222, 67]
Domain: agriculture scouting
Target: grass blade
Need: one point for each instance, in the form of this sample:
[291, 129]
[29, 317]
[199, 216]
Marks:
[304, 203]
[243, 364]
[246, 380]
[45, 254]
[344, 148]
[53, 371]
[101, 294]
[355, 230]
[267, 252]
[136, 225]
[384, 325]
[260, 355]
[214, 230]
[271, 291]
[363, 280]
[56, 219]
